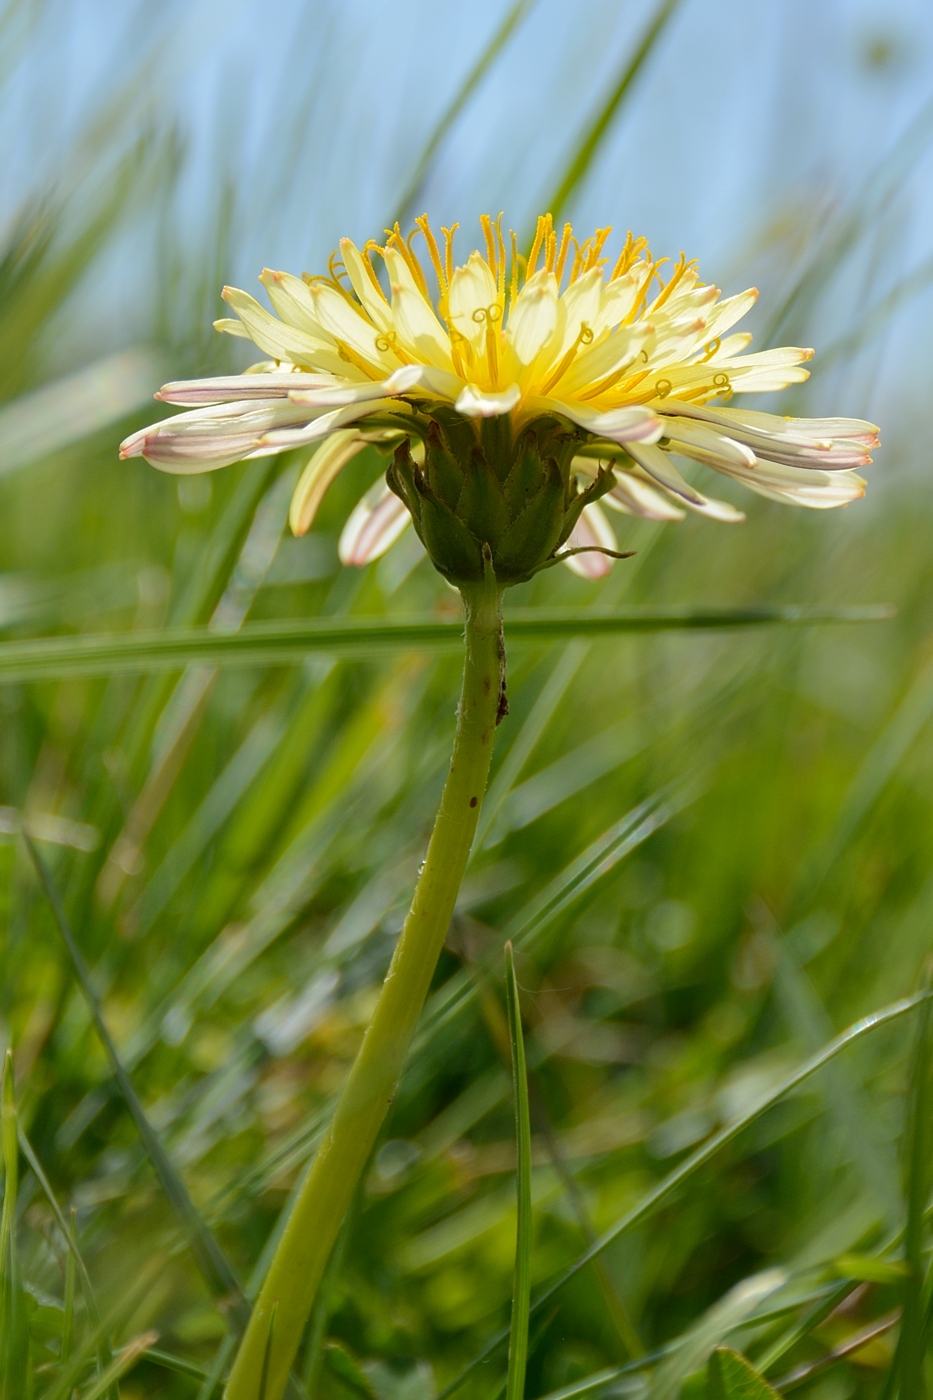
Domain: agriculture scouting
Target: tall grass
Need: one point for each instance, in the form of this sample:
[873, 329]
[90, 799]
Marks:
[711, 848]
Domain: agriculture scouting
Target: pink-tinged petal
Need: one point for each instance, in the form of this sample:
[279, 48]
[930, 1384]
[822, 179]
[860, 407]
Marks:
[339, 395]
[205, 439]
[325, 424]
[633, 496]
[592, 532]
[763, 431]
[704, 445]
[233, 387]
[323, 467]
[661, 469]
[619, 425]
[375, 523]
[475, 403]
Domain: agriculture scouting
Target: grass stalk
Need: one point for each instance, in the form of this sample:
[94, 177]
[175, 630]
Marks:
[521, 1289]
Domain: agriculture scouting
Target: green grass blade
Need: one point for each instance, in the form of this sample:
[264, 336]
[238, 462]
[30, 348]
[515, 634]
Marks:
[286, 643]
[513, 17]
[645, 1207]
[521, 1287]
[696, 1344]
[731, 1377]
[583, 156]
[178, 1364]
[871, 199]
[15, 1365]
[575, 882]
[893, 742]
[217, 1273]
[120, 1366]
[918, 1146]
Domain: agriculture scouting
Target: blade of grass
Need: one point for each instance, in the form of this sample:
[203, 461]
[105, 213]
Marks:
[650, 1201]
[575, 882]
[583, 156]
[918, 1142]
[15, 1368]
[873, 196]
[284, 643]
[724, 1316]
[521, 1287]
[882, 760]
[122, 1363]
[802, 1374]
[217, 1273]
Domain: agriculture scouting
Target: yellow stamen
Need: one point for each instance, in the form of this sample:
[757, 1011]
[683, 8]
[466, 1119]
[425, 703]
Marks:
[513, 290]
[434, 252]
[594, 257]
[678, 274]
[584, 338]
[646, 287]
[500, 245]
[347, 353]
[486, 224]
[541, 230]
[461, 352]
[565, 239]
[550, 250]
[449, 250]
[367, 263]
[395, 240]
[579, 259]
[632, 250]
[415, 265]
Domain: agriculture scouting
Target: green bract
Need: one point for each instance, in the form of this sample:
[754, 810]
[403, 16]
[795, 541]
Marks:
[518, 496]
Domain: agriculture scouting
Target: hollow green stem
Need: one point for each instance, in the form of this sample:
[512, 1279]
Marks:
[290, 1286]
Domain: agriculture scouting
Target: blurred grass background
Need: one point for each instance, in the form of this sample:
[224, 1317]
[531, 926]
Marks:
[714, 851]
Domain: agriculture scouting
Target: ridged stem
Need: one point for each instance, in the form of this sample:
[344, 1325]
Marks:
[278, 1319]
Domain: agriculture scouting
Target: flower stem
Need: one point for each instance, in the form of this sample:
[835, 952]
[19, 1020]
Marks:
[289, 1289]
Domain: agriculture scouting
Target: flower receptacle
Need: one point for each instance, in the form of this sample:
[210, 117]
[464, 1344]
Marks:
[517, 497]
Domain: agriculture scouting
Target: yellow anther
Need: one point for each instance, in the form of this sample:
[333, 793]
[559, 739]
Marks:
[500, 246]
[434, 252]
[486, 224]
[564, 249]
[513, 289]
[631, 252]
[461, 352]
[352, 358]
[336, 267]
[541, 232]
[594, 257]
[651, 273]
[368, 249]
[394, 239]
[585, 337]
[680, 270]
[550, 250]
[449, 250]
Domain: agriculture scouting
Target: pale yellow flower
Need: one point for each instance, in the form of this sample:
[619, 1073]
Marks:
[632, 360]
